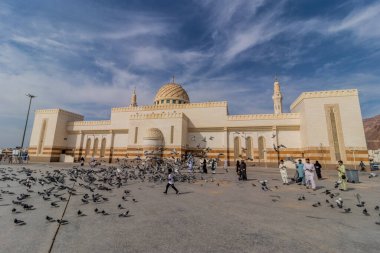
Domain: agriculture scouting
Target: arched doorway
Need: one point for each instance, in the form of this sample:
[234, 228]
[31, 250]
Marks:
[103, 148]
[153, 142]
[261, 146]
[248, 145]
[88, 147]
[95, 148]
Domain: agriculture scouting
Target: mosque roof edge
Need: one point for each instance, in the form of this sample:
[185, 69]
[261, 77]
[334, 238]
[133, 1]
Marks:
[323, 94]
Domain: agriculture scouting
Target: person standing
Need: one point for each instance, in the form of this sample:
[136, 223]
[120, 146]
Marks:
[204, 166]
[190, 165]
[213, 166]
[318, 168]
[300, 172]
[243, 171]
[309, 174]
[82, 161]
[362, 166]
[237, 167]
[283, 172]
[170, 182]
[342, 175]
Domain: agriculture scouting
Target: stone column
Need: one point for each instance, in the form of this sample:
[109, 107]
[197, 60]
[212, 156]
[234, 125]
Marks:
[226, 145]
[111, 145]
[80, 145]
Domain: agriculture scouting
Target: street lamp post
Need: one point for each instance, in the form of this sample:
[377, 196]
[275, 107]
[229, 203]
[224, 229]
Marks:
[27, 118]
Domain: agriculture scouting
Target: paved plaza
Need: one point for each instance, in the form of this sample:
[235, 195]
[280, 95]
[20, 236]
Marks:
[215, 214]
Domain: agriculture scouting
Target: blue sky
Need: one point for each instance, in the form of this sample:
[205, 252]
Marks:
[86, 56]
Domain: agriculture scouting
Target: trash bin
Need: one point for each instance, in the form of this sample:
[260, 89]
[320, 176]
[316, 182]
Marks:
[352, 176]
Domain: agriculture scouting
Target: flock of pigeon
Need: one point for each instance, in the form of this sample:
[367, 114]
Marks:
[333, 199]
[90, 184]
[93, 185]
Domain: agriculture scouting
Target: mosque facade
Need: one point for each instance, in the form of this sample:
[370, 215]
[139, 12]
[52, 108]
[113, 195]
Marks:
[324, 125]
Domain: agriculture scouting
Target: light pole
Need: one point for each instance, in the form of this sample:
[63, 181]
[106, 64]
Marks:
[27, 118]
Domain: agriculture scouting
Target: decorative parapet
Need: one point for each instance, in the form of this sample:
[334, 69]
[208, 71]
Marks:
[54, 111]
[169, 106]
[264, 116]
[324, 94]
[90, 123]
[170, 115]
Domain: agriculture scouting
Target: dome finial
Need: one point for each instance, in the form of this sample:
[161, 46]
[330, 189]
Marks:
[173, 79]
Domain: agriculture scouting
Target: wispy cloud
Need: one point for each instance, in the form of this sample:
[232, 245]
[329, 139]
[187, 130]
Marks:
[88, 56]
[363, 23]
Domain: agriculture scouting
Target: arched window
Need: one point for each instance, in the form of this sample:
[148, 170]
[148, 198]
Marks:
[95, 148]
[248, 145]
[261, 145]
[42, 137]
[236, 148]
[88, 147]
[103, 147]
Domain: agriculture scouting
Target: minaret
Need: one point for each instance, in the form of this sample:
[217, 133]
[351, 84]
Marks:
[277, 97]
[134, 98]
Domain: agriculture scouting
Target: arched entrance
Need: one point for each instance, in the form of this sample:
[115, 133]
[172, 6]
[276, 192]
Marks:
[153, 143]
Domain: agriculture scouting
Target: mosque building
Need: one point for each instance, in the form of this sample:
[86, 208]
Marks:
[324, 125]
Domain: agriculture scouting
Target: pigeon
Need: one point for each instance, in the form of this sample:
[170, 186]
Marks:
[317, 204]
[372, 174]
[327, 192]
[360, 202]
[63, 222]
[50, 219]
[365, 212]
[134, 200]
[124, 214]
[14, 210]
[327, 201]
[80, 213]
[120, 206]
[339, 202]
[96, 210]
[377, 208]
[54, 204]
[332, 206]
[347, 210]
[105, 213]
[19, 222]
[211, 138]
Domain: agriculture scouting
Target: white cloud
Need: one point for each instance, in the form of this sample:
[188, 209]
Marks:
[363, 22]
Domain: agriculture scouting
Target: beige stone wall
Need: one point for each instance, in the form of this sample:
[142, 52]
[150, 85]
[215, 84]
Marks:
[48, 145]
[305, 131]
[316, 128]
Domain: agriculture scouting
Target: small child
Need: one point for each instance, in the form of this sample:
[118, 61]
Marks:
[170, 182]
[284, 173]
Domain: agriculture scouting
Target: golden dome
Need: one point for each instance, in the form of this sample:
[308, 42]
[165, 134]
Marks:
[171, 93]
